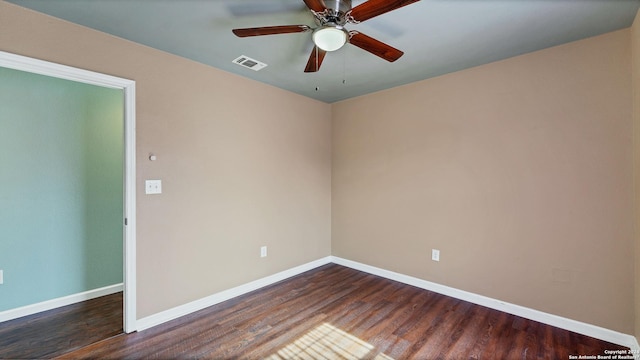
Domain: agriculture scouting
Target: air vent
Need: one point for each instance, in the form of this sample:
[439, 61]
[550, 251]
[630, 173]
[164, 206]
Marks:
[250, 63]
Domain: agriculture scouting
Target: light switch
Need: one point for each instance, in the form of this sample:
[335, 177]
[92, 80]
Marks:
[153, 187]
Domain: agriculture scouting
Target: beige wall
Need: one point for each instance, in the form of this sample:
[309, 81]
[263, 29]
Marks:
[243, 164]
[635, 49]
[519, 172]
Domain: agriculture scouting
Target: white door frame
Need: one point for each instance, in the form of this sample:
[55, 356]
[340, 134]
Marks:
[41, 67]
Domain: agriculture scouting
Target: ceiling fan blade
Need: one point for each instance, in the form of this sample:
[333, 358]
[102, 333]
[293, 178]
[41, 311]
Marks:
[270, 30]
[315, 59]
[315, 5]
[373, 8]
[374, 46]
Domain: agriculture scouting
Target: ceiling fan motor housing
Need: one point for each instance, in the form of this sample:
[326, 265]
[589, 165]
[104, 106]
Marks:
[335, 12]
[338, 5]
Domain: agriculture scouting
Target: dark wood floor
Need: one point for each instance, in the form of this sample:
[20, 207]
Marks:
[55, 332]
[334, 312]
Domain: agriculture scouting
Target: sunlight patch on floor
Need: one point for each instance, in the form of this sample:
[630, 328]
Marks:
[327, 342]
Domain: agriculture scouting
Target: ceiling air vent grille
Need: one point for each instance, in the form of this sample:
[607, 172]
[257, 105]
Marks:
[250, 63]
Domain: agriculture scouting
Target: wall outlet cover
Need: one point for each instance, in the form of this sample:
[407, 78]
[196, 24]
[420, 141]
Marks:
[152, 187]
[435, 255]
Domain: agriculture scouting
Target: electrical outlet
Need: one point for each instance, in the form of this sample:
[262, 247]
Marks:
[153, 187]
[435, 255]
[263, 251]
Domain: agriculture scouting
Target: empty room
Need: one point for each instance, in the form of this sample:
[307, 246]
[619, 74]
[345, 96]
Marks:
[315, 179]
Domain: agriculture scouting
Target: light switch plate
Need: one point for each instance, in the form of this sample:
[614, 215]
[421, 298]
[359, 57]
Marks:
[152, 187]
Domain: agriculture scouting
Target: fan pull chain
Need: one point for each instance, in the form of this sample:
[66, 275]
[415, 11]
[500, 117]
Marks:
[344, 67]
[315, 51]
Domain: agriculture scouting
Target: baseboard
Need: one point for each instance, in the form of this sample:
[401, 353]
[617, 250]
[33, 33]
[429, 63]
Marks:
[59, 302]
[536, 315]
[532, 314]
[182, 310]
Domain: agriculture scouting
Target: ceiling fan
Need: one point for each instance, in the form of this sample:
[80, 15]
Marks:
[331, 35]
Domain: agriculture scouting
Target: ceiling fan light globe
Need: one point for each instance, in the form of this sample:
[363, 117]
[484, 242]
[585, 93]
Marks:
[329, 38]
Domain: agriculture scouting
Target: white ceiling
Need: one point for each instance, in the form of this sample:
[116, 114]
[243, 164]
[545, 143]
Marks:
[437, 36]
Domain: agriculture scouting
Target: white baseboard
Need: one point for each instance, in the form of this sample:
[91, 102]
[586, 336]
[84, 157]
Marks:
[59, 302]
[536, 315]
[182, 310]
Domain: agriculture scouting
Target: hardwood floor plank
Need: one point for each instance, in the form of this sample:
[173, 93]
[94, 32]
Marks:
[441, 332]
[54, 332]
[336, 312]
[471, 332]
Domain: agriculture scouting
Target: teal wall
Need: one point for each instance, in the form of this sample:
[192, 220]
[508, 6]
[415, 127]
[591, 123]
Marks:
[61, 187]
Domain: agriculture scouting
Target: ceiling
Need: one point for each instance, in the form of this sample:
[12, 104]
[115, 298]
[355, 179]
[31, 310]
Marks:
[437, 36]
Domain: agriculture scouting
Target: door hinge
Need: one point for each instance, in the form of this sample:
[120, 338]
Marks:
[126, 222]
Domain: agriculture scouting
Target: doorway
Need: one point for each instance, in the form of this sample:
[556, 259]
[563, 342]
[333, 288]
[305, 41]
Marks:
[125, 90]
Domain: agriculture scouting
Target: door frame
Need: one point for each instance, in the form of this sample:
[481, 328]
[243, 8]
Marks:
[23, 63]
